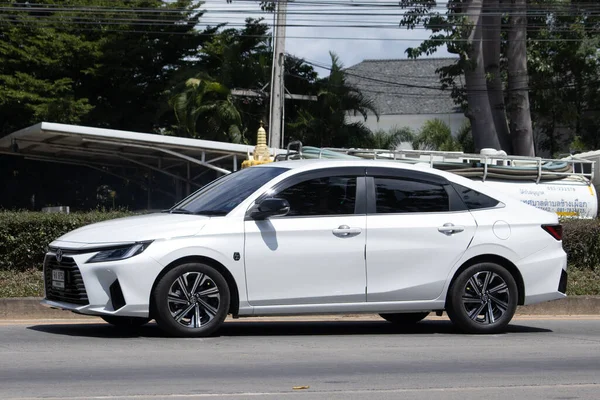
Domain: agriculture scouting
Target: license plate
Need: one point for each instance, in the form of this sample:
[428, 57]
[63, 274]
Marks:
[58, 279]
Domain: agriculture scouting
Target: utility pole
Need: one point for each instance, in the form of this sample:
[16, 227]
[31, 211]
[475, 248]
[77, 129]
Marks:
[277, 96]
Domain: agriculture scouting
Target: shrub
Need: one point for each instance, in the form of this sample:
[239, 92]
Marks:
[581, 241]
[24, 236]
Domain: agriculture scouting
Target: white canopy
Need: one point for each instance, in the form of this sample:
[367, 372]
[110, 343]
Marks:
[113, 151]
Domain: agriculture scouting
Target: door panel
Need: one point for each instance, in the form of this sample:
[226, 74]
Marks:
[302, 261]
[408, 258]
[417, 231]
[315, 254]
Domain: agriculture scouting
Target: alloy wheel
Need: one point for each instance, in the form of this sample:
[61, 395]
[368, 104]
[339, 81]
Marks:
[486, 297]
[193, 299]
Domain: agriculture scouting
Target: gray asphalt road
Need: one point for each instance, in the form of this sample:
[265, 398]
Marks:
[537, 359]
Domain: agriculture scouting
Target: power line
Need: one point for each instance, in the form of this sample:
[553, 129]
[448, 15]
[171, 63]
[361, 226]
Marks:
[102, 24]
[589, 11]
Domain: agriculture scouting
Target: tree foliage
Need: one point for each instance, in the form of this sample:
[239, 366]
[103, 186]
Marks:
[390, 140]
[324, 123]
[241, 59]
[89, 62]
[564, 77]
[436, 135]
[204, 109]
[561, 57]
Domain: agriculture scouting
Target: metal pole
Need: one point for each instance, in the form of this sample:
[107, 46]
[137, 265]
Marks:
[277, 93]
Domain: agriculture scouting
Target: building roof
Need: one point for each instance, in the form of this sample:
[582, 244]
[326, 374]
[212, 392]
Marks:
[404, 87]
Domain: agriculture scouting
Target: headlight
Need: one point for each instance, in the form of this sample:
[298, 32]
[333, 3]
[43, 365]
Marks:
[119, 253]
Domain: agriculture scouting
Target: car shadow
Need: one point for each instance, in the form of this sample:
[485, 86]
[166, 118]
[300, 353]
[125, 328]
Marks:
[278, 328]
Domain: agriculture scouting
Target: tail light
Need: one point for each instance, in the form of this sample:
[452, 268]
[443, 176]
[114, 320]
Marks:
[555, 230]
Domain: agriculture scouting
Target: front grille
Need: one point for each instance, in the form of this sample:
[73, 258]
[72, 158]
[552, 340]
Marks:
[74, 290]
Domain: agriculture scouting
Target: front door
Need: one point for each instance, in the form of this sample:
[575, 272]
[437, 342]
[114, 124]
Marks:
[315, 254]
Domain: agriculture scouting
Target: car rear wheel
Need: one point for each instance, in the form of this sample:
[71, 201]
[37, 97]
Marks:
[404, 318]
[125, 322]
[482, 299]
[191, 300]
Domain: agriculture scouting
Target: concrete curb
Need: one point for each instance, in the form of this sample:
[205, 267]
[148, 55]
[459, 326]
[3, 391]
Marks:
[30, 308]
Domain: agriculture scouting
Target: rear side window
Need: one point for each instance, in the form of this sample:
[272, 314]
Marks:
[394, 195]
[473, 199]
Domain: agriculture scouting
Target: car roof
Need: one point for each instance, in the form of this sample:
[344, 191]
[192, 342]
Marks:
[306, 165]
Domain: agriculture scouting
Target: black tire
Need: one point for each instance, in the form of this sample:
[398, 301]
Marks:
[205, 313]
[404, 318]
[125, 322]
[486, 308]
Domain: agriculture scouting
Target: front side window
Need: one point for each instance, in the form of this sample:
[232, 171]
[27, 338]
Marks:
[334, 195]
[226, 193]
[394, 195]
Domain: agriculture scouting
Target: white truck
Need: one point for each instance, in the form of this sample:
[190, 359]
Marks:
[563, 186]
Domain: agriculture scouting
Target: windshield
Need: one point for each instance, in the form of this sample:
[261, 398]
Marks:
[224, 194]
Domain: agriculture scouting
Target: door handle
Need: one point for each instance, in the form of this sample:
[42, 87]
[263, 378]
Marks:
[345, 230]
[449, 229]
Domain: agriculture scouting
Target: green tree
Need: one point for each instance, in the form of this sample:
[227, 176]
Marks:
[99, 62]
[325, 123]
[205, 110]
[564, 67]
[436, 135]
[241, 59]
[464, 137]
[390, 140]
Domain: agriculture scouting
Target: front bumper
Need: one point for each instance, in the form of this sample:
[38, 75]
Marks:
[120, 288]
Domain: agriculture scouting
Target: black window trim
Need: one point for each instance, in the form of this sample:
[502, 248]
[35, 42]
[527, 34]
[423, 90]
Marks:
[409, 174]
[360, 207]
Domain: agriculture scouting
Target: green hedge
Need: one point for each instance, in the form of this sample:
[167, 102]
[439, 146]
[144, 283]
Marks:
[581, 241]
[24, 237]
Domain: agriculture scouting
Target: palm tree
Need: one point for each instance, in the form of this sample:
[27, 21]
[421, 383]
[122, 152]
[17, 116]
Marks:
[204, 109]
[391, 139]
[436, 135]
[324, 123]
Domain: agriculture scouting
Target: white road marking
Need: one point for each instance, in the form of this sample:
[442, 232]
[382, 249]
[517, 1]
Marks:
[312, 392]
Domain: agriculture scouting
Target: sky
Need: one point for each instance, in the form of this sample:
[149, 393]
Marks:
[382, 39]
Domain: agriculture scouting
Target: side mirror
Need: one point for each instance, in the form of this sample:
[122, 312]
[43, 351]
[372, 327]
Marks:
[270, 207]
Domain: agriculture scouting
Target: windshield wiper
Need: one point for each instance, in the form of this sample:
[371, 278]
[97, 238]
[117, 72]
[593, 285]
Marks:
[180, 211]
[212, 212]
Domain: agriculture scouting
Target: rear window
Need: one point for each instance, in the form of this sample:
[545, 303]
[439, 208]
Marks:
[473, 199]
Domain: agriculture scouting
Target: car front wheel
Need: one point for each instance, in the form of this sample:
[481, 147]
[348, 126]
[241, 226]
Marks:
[191, 300]
[482, 299]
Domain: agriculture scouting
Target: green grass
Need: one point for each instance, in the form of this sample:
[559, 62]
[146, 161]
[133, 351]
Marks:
[583, 282]
[30, 283]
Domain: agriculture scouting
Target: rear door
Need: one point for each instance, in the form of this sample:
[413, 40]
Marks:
[418, 228]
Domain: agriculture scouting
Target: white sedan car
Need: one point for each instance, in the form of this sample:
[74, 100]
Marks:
[308, 237]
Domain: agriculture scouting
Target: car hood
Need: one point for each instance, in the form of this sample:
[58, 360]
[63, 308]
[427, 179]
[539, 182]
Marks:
[136, 229]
